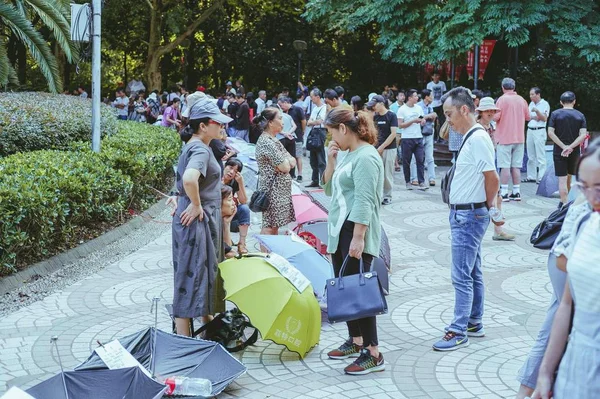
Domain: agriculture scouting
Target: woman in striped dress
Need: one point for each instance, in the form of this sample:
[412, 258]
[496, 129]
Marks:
[579, 369]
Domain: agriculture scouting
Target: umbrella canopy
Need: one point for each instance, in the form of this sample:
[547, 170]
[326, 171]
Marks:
[548, 184]
[303, 257]
[176, 355]
[378, 265]
[127, 383]
[305, 209]
[285, 314]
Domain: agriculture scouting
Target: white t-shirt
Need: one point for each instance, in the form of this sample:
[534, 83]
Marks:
[83, 95]
[260, 105]
[226, 105]
[438, 89]
[407, 113]
[125, 101]
[476, 157]
[318, 113]
[544, 108]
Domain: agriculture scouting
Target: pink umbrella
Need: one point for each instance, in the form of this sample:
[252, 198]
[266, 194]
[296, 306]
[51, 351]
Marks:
[306, 209]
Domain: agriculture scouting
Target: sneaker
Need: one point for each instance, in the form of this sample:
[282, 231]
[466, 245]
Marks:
[505, 198]
[346, 350]
[414, 183]
[365, 364]
[514, 197]
[451, 342]
[423, 186]
[475, 330]
[313, 185]
[409, 186]
[386, 201]
[504, 236]
[432, 183]
[299, 179]
[528, 180]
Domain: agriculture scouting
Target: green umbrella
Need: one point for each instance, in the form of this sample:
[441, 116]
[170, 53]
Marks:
[276, 297]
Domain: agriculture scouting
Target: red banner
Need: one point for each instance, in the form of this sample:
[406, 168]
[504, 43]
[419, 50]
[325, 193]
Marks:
[485, 53]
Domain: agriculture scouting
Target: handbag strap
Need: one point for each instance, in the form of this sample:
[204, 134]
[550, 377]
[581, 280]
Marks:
[343, 269]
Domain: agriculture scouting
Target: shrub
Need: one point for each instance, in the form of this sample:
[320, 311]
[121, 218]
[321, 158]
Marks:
[143, 152]
[45, 196]
[38, 121]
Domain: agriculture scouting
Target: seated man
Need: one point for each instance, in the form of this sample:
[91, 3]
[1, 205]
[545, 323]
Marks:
[232, 177]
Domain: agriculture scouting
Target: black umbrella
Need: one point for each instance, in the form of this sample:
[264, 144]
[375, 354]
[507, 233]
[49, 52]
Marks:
[382, 274]
[176, 355]
[128, 383]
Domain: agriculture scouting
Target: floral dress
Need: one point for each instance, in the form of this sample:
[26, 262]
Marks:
[270, 153]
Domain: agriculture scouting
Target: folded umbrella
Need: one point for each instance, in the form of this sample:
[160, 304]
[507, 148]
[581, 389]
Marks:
[127, 383]
[305, 209]
[276, 297]
[176, 355]
[548, 184]
[303, 257]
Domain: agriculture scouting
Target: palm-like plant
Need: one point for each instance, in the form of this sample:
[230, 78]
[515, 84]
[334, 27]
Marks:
[55, 15]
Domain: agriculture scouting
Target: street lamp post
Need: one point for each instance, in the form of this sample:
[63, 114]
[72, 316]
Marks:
[300, 46]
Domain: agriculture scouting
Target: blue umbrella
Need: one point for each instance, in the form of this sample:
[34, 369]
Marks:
[549, 183]
[303, 257]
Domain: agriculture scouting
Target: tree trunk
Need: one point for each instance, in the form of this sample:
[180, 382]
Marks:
[156, 51]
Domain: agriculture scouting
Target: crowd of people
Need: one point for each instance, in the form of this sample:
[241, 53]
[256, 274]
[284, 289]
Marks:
[354, 150]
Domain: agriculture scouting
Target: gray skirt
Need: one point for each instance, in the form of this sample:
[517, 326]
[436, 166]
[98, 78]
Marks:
[196, 252]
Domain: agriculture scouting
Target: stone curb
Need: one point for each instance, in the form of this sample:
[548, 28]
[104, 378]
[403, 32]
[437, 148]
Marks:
[48, 266]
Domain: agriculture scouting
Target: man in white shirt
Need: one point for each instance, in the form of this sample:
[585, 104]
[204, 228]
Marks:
[315, 122]
[473, 191]
[438, 88]
[121, 103]
[82, 92]
[539, 110]
[261, 102]
[410, 120]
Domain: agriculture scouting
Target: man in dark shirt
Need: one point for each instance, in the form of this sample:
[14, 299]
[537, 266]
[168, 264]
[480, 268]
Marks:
[387, 123]
[243, 118]
[567, 127]
[232, 108]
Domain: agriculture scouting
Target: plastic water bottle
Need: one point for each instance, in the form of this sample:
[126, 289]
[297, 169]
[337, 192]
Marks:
[186, 386]
[496, 214]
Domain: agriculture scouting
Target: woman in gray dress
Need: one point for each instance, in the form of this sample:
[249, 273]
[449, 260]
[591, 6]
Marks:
[196, 228]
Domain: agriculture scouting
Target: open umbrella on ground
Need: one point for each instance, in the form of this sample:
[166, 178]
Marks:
[277, 298]
[548, 184]
[127, 383]
[176, 355]
[305, 209]
[303, 257]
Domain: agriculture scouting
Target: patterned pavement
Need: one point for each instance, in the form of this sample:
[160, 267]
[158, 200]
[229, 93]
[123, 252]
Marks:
[116, 302]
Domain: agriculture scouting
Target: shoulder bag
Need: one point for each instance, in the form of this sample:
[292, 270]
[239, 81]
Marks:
[447, 179]
[545, 233]
[355, 296]
[316, 137]
[259, 201]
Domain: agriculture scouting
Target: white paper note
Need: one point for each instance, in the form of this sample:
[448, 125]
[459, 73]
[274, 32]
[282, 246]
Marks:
[288, 271]
[117, 357]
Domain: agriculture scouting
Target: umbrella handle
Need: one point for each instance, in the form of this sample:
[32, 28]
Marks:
[62, 371]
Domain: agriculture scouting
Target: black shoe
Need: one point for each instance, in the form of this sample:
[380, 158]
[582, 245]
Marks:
[313, 185]
[386, 201]
[505, 198]
[514, 197]
[299, 179]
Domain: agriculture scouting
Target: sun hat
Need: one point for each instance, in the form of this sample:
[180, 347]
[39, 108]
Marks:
[487, 104]
[202, 107]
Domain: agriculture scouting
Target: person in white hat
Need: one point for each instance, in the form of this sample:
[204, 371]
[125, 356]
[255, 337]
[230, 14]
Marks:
[486, 111]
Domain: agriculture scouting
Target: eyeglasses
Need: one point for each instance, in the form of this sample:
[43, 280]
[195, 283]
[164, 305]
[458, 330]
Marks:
[211, 122]
[589, 191]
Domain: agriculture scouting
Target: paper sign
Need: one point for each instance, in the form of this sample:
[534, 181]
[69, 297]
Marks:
[288, 271]
[16, 393]
[117, 357]
[295, 237]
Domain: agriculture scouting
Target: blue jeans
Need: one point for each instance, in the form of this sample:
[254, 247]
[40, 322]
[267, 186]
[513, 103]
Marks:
[241, 218]
[429, 162]
[528, 374]
[122, 117]
[467, 229]
[242, 134]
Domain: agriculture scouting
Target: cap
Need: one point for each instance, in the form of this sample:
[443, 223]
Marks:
[203, 107]
[191, 100]
[228, 83]
[370, 96]
[375, 99]
[201, 88]
[487, 104]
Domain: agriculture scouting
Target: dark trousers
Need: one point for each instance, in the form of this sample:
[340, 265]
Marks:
[317, 163]
[441, 118]
[367, 327]
[414, 147]
[290, 146]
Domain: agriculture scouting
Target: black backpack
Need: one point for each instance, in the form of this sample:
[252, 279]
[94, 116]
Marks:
[547, 231]
[231, 329]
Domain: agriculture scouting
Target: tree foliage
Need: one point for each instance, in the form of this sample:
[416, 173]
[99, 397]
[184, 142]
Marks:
[415, 32]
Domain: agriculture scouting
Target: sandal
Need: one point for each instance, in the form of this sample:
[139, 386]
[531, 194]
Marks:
[242, 250]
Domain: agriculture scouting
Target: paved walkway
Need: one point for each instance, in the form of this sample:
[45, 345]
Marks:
[116, 301]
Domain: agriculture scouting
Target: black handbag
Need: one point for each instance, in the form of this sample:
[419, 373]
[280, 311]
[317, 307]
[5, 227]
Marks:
[259, 201]
[547, 231]
[355, 296]
[447, 179]
[316, 139]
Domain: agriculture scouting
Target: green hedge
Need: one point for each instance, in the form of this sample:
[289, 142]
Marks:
[39, 121]
[48, 198]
